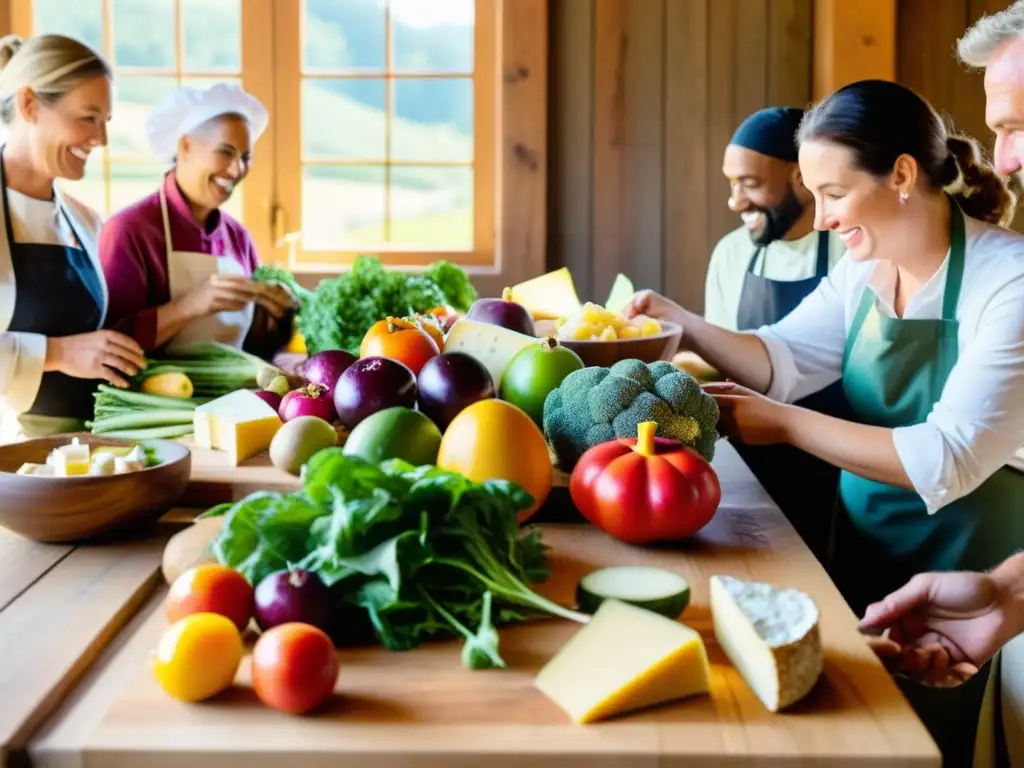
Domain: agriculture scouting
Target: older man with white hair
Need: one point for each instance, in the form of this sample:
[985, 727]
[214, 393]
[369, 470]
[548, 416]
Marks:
[943, 627]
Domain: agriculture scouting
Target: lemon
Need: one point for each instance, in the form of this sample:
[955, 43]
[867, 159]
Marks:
[198, 656]
[168, 385]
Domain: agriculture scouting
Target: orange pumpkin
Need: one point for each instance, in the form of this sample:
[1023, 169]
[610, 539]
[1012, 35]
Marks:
[495, 440]
[399, 340]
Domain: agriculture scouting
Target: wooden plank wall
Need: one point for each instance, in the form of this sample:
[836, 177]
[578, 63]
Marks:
[927, 32]
[645, 95]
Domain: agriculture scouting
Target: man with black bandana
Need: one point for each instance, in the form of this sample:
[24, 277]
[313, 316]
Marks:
[760, 271]
[757, 275]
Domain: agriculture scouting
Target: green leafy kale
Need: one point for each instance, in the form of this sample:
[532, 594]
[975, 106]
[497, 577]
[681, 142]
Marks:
[270, 273]
[341, 310]
[414, 552]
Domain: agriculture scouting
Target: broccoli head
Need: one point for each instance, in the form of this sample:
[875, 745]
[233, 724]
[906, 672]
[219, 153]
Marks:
[594, 405]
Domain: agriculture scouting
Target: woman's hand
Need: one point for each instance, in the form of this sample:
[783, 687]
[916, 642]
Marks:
[97, 355]
[751, 417]
[222, 293]
[276, 299]
[654, 305]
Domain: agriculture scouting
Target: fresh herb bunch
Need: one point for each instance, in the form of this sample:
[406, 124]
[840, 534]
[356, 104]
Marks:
[341, 310]
[418, 551]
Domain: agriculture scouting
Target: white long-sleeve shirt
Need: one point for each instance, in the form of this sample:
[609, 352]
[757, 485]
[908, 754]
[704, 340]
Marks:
[978, 423]
[782, 260]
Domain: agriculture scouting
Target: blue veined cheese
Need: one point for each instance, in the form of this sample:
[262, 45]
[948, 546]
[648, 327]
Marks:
[771, 637]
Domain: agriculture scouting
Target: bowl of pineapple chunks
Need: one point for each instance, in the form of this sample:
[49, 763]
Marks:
[602, 337]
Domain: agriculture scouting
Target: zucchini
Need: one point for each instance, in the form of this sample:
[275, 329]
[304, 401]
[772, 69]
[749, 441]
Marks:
[654, 589]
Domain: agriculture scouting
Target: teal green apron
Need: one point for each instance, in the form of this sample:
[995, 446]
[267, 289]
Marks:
[894, 371]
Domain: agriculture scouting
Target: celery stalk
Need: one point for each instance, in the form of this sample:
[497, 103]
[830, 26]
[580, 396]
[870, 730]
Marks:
[152, 433]
[135, 419]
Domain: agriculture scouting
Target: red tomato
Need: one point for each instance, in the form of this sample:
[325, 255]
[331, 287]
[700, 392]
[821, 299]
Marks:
[645, 489]
[211, 588]
[294, 667]
[400, 340]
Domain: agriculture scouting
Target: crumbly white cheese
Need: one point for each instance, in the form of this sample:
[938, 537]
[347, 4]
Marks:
[770, 635]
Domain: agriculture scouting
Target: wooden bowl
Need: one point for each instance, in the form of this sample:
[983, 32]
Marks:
[68, 509]
[647, 349]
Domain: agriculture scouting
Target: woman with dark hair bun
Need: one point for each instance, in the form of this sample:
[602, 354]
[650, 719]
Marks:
[923, 322]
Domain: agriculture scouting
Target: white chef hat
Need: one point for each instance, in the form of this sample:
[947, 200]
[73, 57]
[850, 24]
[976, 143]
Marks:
[187, 108]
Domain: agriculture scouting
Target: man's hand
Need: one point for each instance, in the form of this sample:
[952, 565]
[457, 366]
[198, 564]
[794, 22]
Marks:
[941, 627]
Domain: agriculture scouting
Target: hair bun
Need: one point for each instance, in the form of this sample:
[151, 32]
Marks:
[979, 190]
[9, 45]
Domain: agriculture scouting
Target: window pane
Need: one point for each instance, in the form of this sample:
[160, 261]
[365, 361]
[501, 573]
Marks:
[432, 35]
[344, 35]
[433, 120]
[82, 19]
[344, 119]
[130, 182]
[212, 32]
[143, 32]
[135, 98]
[432, 208]
[342, 207]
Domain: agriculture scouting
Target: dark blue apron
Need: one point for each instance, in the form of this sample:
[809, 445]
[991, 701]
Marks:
[803, 486]
[58, 293]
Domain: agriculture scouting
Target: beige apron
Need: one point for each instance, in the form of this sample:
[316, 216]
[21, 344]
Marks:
[1000, 740]
[188, 271]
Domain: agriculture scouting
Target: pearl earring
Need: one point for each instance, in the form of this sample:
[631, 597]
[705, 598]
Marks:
[903, 198]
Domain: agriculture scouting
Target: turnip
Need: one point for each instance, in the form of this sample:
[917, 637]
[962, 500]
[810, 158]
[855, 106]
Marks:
[310, 400]
[292, 595]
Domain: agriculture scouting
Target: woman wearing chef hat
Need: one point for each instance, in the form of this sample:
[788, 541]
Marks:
[178, 267]
[55, 96]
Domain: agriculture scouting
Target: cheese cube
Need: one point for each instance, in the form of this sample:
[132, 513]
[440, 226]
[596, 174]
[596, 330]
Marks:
[39, 470]
[771, 636]
[492, 345]
[626, 658]
[102, 463]
[240, 424]
[123, 465]
[71, 460]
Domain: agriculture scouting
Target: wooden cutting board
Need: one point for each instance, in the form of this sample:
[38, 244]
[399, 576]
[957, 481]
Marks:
[423, 708]
[216, 481]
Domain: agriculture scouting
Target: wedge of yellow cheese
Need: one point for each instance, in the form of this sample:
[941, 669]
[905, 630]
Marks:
[625, 659]
[240, 424]
[549, 296]
[492, 345]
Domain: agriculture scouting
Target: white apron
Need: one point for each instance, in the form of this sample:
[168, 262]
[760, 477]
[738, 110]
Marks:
[1000, 739]
[188, 271]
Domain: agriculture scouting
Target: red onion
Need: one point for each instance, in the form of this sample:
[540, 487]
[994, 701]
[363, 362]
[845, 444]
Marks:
[292, 595]
[325, 368]
[310, 400]
[270, 398]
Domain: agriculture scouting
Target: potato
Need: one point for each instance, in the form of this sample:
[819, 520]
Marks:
[190, 547]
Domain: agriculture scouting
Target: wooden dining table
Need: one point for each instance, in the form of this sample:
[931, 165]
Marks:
[78, 624]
